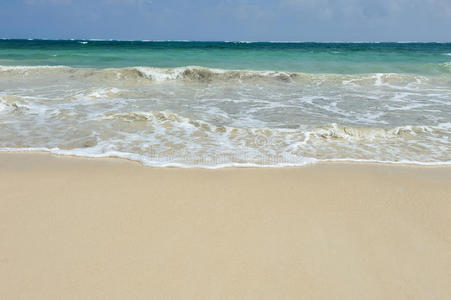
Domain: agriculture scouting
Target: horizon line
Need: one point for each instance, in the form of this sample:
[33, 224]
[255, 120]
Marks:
[225, 41]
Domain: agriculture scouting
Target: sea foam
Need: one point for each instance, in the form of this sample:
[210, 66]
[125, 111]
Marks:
[205, 117]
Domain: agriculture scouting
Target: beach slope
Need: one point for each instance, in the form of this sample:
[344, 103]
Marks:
[73, 228]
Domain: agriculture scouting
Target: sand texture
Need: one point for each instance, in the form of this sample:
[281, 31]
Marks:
[73, 228]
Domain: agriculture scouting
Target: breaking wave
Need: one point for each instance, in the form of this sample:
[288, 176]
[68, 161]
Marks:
[446, 66]
[329, 131]
[194, 74]
[202, 117]
[165, 138]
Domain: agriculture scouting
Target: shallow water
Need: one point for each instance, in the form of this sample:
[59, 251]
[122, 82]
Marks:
[263, 104]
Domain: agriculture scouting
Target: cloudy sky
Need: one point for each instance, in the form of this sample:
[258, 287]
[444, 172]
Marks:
[295, 20]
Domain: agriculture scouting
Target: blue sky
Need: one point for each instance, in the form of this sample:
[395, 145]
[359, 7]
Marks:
[295, 20]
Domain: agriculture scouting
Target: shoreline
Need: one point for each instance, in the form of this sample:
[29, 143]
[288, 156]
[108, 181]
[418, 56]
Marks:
[77, 228]
[234, 166]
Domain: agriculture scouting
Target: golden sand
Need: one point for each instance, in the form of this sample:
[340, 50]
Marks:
[111, 229]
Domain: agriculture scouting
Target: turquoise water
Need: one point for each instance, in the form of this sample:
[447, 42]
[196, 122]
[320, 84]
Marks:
[341, 58]
[218, 104]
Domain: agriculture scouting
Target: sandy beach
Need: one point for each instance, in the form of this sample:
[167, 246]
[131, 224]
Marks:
[77, 228]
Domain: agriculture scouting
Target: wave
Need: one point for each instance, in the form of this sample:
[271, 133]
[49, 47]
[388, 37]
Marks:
[167, 138]
[199, 74]
[195, 116]
[446, 66]
[192, 73]
[329, 131]
[335, 131]
[151, 162]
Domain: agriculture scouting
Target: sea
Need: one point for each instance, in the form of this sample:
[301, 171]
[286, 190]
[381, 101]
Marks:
[221, 104]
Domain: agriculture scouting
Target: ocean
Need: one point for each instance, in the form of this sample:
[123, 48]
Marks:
[219, 104]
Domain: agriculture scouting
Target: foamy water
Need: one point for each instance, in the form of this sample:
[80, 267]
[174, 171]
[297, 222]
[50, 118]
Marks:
[194, 116]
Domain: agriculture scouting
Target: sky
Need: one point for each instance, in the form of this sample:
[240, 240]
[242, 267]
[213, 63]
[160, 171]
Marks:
[228, 20]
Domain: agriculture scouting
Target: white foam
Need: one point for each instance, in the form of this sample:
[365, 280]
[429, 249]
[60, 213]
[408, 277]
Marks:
[155, 163]
[446, 65]
[25, 68]
[160, 74]
[101, 93]
[216, 118]
[446, 126]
